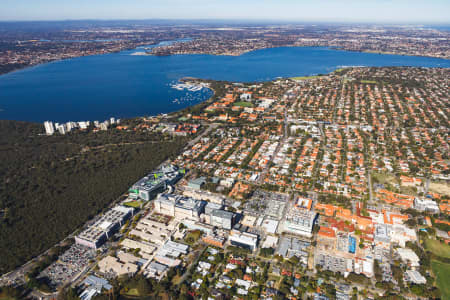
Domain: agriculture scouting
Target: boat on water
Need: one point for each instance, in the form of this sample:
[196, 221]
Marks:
[195, 89]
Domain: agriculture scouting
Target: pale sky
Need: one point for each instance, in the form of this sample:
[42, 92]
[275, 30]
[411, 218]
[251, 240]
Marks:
[384, 11]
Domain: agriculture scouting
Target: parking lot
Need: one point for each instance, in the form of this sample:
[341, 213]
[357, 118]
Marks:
[266, 204]
[69, 264]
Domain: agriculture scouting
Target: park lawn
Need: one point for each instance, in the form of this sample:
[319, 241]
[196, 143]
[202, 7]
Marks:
[303, 77]
[408, 190]
[440, 188]
[383, 178]
[5, 296]
[442, 272]
[273, 277]
[176, 280]
[133, 292]
[244, 104]
[438, 248]
[192, 237]
[135, 204]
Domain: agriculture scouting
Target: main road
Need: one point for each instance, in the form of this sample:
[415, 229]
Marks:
[208, 130]
[285, 134]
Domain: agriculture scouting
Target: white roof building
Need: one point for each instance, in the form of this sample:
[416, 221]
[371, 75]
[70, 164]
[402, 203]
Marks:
[179, 206]
[270, 242]
[96, 234]
[243, 283]
[424, 204]
[415, 277]
[401, 234]
[111, 264]
[155, 270]
[146, 249]
[408, 256]
[270, 226]
[243, 239]
[300, 221]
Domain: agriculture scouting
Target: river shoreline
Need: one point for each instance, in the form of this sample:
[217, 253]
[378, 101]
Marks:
[72, 57]
[126, 86]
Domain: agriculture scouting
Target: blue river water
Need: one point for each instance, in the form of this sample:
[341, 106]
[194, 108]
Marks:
[124, 85]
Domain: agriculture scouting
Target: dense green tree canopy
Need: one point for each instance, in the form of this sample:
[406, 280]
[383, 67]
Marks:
[51, 185]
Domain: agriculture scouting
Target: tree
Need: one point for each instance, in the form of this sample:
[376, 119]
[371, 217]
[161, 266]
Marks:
[361, 243]
[10, 292]
[411, 222]
[377, 271]
[143, 287]
[294, 260]
[36, 168]
[329, 168]
[67, 294]
[418, 290]
[266, 252]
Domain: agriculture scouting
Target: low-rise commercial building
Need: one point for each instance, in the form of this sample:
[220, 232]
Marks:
[214, 240]
[112, 265]
[428, 205]
[222, 219]
[211, 206]
[169, 253]
[93, 286]
[333, 263]
[415, 277]
[179, 206]
[146, 249]
[147, 187]
[197, 183]
[95, 235]
[194, 225]
[290, 247]
[173, 249]
[408, 256]
[300, 222]
[155, 270]
[204, 195]
[243, 239]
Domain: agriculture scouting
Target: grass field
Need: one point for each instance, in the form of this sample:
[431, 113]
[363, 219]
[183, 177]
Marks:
[387, 180]
[442, 271]
[132, 292]
[176, 279]
[192, 237]
[304, 77]
[244, 104]
[135, 204]
[441, 188]
[438, 248]
[408, 190]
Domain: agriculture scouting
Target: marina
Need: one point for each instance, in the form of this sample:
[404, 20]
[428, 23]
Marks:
[192, 87]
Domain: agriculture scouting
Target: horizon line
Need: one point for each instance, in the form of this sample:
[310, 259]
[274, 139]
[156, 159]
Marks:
[250, 20]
